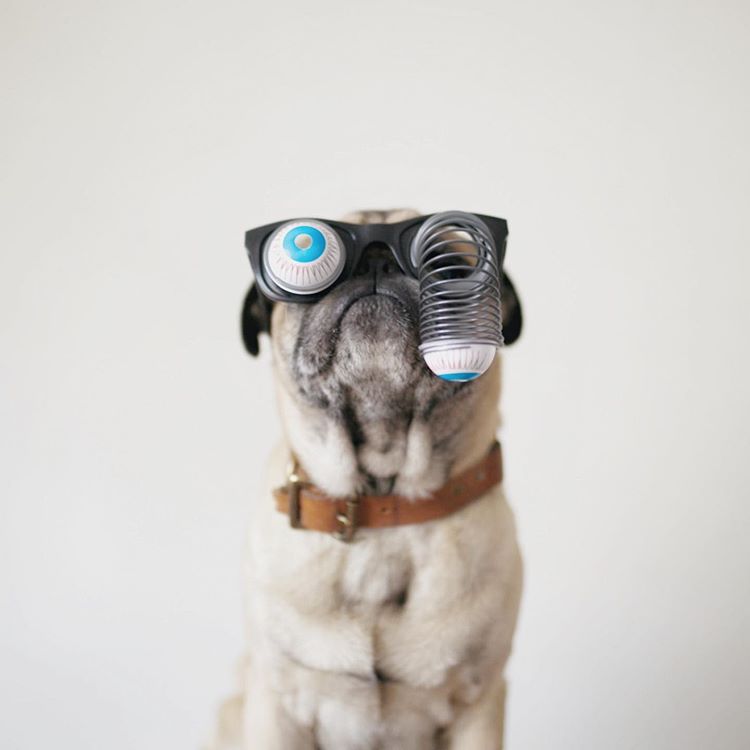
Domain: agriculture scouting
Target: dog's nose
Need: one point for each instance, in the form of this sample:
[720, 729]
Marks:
[376, 260]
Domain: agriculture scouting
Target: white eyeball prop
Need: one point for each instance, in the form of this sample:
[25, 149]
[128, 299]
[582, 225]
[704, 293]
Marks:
[459, 362]
[304, 257]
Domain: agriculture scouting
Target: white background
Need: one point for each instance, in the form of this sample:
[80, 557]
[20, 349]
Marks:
[139, 141]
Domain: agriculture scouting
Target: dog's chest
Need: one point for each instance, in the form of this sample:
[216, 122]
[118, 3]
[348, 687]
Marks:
[376, 572]
[402, 625]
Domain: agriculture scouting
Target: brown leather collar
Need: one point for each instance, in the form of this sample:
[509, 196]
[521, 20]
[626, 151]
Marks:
[310, 508]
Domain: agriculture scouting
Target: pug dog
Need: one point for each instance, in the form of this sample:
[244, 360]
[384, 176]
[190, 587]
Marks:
[399, 639]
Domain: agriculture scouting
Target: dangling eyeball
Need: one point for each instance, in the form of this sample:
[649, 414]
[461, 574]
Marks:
[304, 256]
[459, 362]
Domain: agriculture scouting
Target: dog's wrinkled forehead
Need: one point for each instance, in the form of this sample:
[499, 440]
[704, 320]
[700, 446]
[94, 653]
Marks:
[391, 216]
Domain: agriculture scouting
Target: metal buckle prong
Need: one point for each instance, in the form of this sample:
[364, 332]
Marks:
[295, 508]
[348, 520]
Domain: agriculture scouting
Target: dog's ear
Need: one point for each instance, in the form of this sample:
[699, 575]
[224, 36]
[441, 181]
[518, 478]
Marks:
[512, 315]
[256, 318]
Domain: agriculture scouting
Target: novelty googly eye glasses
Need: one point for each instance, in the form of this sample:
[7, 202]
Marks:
[300, 260]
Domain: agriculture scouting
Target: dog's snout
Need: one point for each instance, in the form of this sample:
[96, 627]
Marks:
[376, 260]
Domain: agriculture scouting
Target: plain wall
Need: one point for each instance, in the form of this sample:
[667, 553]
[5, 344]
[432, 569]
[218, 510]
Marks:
[140, 140]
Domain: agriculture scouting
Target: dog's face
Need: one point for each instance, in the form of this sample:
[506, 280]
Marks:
[351, 380]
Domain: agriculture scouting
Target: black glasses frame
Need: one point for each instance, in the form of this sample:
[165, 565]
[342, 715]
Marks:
[356, 238]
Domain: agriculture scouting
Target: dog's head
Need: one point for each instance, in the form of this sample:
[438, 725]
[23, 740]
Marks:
[361, 410]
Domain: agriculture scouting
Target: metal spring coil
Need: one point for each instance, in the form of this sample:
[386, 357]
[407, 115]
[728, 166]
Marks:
[459, 282]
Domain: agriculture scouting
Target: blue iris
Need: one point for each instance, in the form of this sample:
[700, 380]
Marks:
[307, 254]
[461, 376]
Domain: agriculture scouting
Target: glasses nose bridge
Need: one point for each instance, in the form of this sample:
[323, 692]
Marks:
[377, 257]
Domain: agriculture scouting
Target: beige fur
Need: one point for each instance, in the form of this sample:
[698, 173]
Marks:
[325, 624]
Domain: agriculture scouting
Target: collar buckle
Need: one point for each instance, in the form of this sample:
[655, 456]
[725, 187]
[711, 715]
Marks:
[347, 521]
